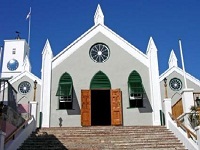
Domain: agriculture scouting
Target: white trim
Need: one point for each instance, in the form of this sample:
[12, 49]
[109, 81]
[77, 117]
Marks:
[182, 136]
[25, 73]
[179, 71]
[14, 40]
[108, 33]
[21, 136]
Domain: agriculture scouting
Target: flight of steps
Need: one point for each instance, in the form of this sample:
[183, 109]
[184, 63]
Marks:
[103, 137]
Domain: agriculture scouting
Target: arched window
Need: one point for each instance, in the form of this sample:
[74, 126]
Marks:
[100, 81]
[136, 90]
[65, 92]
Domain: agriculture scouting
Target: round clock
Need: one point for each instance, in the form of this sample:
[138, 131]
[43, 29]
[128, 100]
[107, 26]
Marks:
[24, 87]
[12, 64]
[175, 84]
[99, 52]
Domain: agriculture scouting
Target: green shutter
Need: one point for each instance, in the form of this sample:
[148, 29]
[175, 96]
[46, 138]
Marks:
[100, 81]
[135, 83]
[65, 85]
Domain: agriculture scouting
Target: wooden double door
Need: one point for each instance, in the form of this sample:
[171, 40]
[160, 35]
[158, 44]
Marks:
[101, 107]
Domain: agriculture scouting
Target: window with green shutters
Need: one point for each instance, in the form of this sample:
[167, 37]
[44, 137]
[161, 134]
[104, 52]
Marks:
[65, 92]
[136, 90]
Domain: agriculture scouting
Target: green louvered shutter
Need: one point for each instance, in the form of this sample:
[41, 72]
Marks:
[65, 85]
[100, 81]
[135, 83]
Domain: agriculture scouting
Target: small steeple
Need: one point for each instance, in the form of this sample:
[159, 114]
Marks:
[98, 17]
[172, 60]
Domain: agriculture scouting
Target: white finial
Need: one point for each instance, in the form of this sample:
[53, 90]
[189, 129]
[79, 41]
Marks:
[27, 64]
[172, 60]
[98, 17]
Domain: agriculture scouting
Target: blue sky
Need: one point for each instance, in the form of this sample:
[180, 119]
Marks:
[63, 21]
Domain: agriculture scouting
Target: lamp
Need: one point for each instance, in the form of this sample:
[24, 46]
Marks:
[35, 84]
[198, 101]
[165, 85]
[165, 81]
[35, 87]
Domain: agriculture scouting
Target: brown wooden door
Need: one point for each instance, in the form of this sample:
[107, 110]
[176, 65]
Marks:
[116, 107]
[85, 107]
[177, 108]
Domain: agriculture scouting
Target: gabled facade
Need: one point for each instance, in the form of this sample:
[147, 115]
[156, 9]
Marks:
[17, 68]
[175, 80]
[99, 79]
[176, 85]
[101, 75]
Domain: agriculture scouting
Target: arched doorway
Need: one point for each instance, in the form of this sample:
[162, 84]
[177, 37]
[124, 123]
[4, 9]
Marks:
[100, 99]
[101, 105]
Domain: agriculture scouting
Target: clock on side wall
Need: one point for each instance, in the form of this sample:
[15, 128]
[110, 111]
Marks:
[12, 64]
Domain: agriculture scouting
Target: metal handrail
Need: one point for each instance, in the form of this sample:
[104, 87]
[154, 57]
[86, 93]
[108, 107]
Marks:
[190, 134]
[183, 115]
[12, 136]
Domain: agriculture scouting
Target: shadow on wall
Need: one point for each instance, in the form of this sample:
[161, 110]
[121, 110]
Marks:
[76, 108]
[146, 105]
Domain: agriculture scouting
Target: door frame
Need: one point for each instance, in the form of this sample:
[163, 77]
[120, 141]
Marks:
[116, 107]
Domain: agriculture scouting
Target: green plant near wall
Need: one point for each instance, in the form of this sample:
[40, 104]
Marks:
[194, 116]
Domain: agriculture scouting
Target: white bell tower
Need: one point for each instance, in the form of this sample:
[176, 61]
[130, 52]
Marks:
[16, 53]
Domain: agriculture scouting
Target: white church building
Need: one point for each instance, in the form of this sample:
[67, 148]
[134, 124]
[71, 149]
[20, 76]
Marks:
[99, 79]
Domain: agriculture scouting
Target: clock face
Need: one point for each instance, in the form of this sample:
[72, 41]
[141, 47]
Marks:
[99, 52]
[12, 64]
[24, 87]
[175, 84]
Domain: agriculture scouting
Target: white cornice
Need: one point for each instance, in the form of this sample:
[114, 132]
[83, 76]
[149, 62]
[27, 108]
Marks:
[18, 77]
[15, 40]
[179, 71]
[132, 50]
[28, 74]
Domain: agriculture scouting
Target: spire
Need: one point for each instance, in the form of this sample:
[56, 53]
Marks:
[47, 49]
[151, 46]
[172, 60]
[98, 17]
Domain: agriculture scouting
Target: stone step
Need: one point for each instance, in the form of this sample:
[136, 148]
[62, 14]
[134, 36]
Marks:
[111, 132]
[103, 137]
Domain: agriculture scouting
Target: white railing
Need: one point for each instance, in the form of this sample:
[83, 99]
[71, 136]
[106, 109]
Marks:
[20, 136]
[184, 137]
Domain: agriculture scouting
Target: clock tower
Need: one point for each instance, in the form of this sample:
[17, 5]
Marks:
[16, 53]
